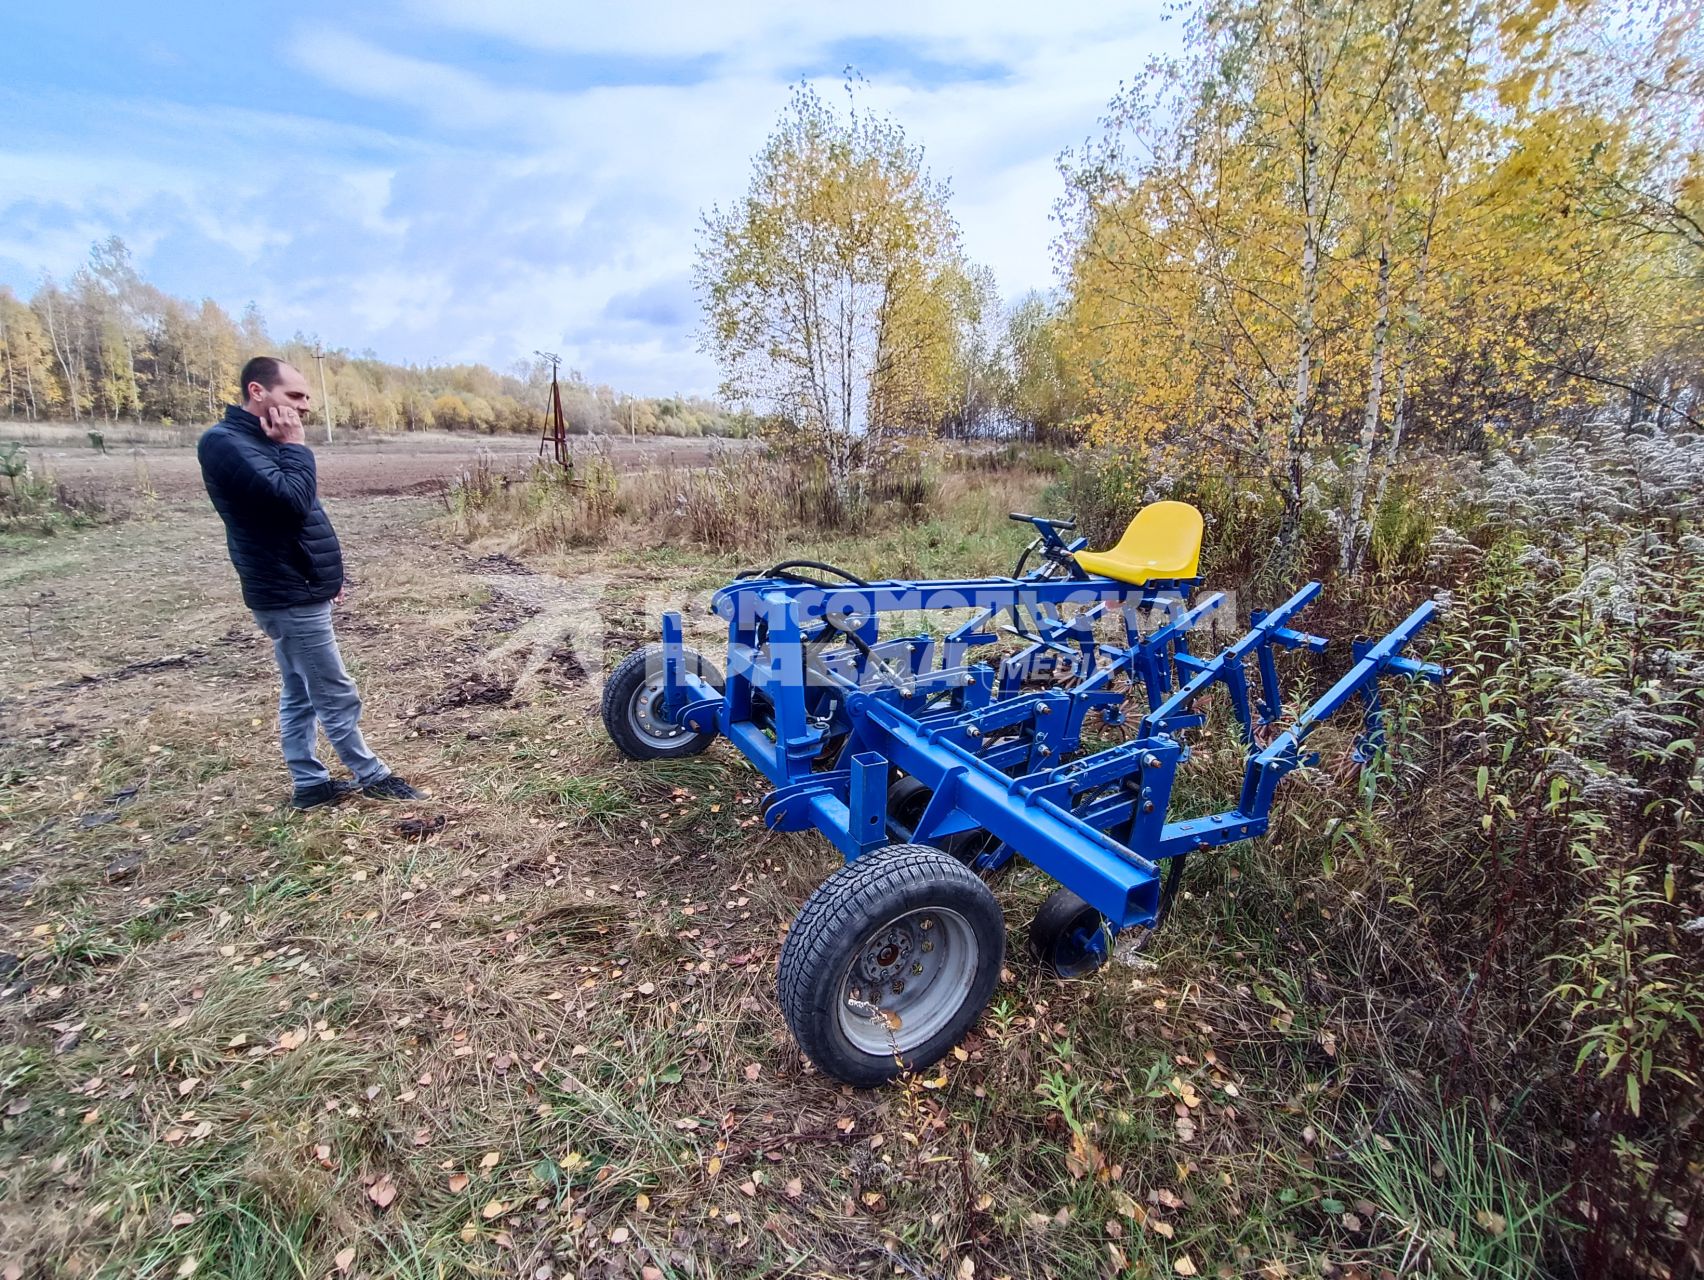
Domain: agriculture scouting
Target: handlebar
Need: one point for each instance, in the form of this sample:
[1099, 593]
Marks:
[1039, 521]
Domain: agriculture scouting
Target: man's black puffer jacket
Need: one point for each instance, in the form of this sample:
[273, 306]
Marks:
[281, 540]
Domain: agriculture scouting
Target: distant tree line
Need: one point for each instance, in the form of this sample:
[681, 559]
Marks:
[107, 346]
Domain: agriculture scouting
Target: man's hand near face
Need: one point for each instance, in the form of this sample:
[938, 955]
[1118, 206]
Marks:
[283, 425]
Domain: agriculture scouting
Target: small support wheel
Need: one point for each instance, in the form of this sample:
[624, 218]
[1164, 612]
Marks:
[633, 707]
[1069, 937]
[889, 963]
[907, 798]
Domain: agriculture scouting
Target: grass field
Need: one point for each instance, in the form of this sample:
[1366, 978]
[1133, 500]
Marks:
[528, 1028]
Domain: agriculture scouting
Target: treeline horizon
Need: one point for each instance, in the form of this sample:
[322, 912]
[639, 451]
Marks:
[109, 347]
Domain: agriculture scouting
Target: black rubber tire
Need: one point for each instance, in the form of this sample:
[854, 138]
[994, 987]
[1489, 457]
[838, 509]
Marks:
[839, 917]
[1052, 936]
[907, 799]
[624, 684]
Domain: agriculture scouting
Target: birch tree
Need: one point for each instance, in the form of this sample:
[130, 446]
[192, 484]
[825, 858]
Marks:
[828, 290]
[1329, 217]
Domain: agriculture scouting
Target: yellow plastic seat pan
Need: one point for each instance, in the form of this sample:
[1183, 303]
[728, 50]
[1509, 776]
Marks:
[1161, 544]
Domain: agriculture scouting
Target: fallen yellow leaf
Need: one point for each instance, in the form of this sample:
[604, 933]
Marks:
[1492, 1222]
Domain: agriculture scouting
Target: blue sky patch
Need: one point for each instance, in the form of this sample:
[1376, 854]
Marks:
[439, 180]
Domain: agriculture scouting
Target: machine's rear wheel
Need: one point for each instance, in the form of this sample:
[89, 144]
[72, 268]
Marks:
[907, 798]
[1069, 937]
[889, 963]
[633, 707]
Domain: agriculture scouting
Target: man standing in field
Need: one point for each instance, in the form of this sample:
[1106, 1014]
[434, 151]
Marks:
[260, 474]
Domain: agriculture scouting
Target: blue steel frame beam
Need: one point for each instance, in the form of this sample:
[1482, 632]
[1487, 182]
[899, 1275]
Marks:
[1082, 821]
[1120, 884]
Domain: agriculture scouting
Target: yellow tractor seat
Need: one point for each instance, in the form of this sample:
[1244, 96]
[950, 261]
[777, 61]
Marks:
[1161, 544]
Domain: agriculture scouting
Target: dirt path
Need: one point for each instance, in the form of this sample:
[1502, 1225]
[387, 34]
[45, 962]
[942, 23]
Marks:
[148, 862]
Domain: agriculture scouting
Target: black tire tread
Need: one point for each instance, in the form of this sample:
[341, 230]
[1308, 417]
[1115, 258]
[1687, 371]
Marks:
[1051, 920]
[617, 690]
[841, 904]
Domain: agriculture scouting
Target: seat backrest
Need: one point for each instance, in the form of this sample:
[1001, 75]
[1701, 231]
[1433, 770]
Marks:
[1165, 536]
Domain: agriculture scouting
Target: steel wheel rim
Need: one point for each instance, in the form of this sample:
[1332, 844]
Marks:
[932, 954]
[645, 715]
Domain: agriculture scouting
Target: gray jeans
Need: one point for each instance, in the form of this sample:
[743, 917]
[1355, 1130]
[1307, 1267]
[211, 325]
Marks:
[317, 689]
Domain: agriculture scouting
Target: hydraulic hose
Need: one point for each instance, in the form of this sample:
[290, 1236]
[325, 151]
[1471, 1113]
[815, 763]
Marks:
[783, 570]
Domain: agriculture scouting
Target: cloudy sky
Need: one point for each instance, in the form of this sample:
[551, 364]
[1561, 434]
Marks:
[471, 179]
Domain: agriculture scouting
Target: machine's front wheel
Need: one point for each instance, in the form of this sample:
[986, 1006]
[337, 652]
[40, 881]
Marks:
[1069, 937]
[889, 963]
[633, 707]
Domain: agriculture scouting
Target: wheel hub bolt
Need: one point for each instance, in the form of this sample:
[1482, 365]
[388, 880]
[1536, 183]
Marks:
[928, 944]
[928, 922]
[898, 985]
[916, 970]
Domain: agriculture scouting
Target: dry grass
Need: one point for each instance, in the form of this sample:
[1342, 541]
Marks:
[745, 499]
[542, 1040]
[115, 434]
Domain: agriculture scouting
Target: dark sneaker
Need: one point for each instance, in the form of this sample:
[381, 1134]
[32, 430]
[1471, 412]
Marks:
[390, 787]
[331, 791]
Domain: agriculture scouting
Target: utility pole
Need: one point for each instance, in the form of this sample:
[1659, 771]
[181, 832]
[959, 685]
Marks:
[325, 399]
[555, 425]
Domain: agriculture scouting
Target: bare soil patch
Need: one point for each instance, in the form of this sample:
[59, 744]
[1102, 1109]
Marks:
[390, 466]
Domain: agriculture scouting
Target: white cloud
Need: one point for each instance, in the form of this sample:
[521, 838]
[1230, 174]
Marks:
[494, 213]
[779, 32]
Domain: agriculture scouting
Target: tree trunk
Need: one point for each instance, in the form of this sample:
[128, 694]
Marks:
[1350, 544]
[1405, 362]
[11, 373]
[1295, 433]
[135, 383]
[63, 353]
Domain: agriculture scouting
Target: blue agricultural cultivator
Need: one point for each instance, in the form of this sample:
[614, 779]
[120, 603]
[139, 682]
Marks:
[931, 760]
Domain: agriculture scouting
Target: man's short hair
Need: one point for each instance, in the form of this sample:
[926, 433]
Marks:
[261, 369]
